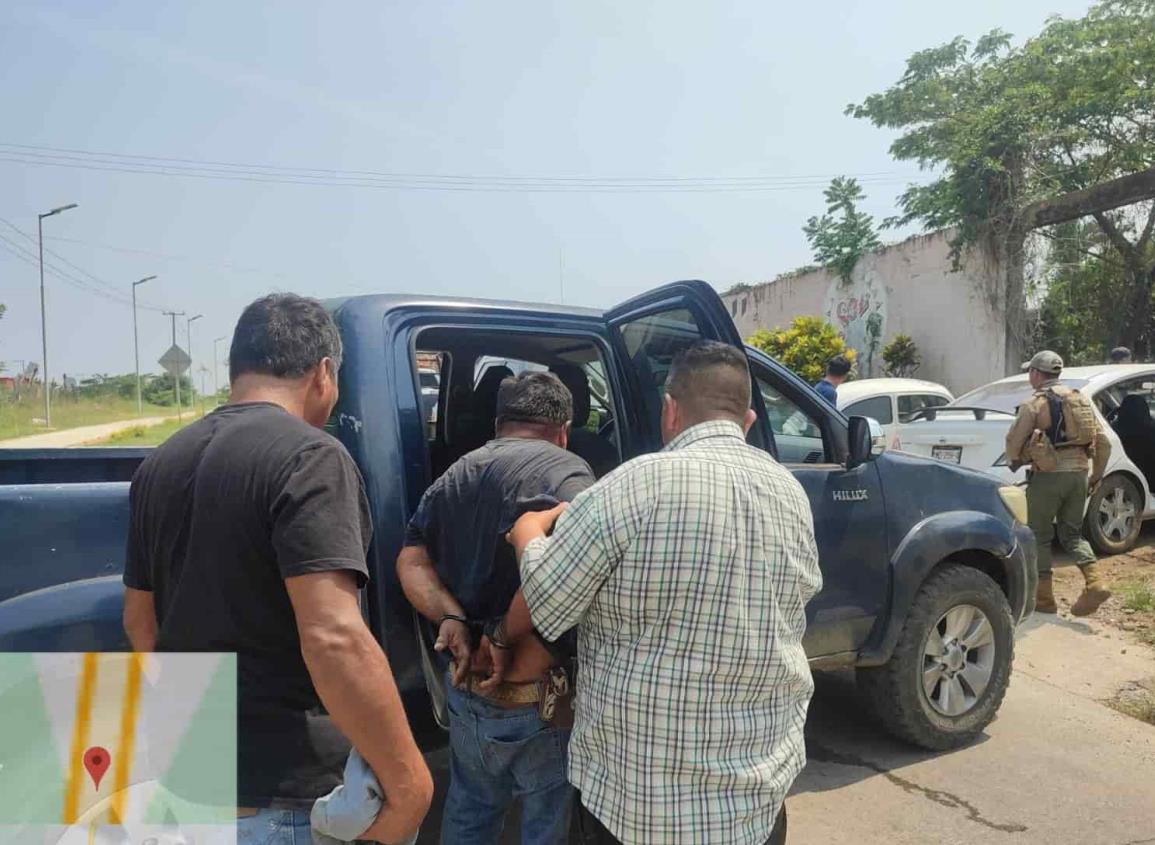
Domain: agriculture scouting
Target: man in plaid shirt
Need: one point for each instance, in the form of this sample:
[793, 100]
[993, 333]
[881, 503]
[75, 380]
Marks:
[687, 572]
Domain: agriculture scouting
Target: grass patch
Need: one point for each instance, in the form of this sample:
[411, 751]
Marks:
[140, 435]
[1137, 701]
[16, 415]
[1138, 596]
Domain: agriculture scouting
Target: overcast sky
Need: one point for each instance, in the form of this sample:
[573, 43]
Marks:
[613, 90]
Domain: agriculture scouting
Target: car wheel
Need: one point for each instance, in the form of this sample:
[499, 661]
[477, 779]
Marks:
[952, 664]
[1114, 515]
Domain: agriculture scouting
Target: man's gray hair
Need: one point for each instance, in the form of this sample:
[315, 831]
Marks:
[534, 397]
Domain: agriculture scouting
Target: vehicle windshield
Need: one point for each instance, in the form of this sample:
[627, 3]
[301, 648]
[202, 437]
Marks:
[1004, 396]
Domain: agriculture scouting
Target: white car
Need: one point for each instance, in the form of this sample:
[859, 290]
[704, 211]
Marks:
[891, 402]
[972, 431]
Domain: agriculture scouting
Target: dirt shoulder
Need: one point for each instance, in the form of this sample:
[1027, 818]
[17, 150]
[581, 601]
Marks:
[1131, 579]
[1129, 615]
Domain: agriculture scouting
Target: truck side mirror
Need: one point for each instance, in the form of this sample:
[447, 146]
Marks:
[864, 439]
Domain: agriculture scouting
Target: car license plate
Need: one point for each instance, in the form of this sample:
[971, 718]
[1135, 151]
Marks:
[950, 454]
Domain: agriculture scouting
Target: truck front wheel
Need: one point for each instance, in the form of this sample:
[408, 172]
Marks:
[952, 665]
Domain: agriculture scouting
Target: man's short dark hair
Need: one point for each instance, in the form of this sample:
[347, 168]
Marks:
[1120, 353]
[283, 335]
[839, 365]
[711, 380]
[538, 398]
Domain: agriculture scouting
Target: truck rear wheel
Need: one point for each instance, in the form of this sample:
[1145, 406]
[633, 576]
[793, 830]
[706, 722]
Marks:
[952, 664]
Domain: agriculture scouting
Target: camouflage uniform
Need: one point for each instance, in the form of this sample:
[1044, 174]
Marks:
[1057, 494]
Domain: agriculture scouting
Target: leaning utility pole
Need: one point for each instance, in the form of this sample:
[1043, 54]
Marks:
[216, 367]
[136, 346]
[192, 373]
[175, 376]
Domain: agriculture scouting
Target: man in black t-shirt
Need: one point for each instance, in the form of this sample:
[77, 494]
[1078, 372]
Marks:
[458, 571]
[248, 534]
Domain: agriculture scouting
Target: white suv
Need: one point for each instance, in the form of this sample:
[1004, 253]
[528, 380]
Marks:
[972, 431]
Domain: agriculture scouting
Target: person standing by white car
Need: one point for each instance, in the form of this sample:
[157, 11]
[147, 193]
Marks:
[1058, 485]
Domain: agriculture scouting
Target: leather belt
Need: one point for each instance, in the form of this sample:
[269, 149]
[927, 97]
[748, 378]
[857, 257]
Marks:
[507, 692]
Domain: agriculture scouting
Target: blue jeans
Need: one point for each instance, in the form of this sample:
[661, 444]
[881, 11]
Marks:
[275, 827]
[497, 755]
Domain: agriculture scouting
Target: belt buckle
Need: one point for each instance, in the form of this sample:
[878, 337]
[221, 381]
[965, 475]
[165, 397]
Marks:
[553, 688]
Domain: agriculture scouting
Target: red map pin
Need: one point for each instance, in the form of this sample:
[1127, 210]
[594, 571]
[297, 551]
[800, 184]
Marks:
[97, 760]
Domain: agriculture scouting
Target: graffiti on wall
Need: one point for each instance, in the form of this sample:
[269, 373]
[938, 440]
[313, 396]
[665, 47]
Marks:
[858, 311]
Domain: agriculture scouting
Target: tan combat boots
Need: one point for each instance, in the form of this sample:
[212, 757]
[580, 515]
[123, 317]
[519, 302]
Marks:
[1093, 595]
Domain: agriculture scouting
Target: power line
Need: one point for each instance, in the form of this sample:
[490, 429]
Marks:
[265, 173]
[26, 255]
[29, 257]
[62, 151]
[223, 265]
[109, 288]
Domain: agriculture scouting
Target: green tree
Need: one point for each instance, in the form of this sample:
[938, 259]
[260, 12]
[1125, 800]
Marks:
[841, 236]
[1084, 284]
[901, 357]
[804, 347]
[159, 391]
[1009, 127]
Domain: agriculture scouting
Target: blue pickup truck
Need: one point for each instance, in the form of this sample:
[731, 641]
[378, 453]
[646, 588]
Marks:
[928, 567]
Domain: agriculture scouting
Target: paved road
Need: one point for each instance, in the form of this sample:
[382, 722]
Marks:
[1056, 767]
[77, 436]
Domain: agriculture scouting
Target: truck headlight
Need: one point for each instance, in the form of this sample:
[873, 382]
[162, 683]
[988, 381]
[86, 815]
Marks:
[1015, 498]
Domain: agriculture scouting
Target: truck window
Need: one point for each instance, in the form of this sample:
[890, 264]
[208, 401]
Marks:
[600, 404]
[474, 362]
[797, 434]
[488, 362]
[876, 407]
[651, 343]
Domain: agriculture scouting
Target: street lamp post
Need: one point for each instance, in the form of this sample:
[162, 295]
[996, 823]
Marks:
[43, 313]
[136, 345]
[216, 367]
[191, 368]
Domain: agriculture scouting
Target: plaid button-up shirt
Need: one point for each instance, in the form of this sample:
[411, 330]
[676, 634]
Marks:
[688, 571]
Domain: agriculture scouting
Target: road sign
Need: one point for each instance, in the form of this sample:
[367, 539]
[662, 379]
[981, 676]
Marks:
[176, 361]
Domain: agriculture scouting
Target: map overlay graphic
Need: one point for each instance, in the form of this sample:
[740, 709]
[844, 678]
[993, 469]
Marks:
[118, 748]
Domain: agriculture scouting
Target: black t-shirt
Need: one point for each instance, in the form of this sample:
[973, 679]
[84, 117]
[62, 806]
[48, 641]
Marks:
[464, 515]
[221, 514]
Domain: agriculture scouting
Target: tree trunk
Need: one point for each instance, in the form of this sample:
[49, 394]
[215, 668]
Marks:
[1138, 315]
[1011, 265]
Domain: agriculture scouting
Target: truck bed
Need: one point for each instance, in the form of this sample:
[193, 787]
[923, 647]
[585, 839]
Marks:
[68, 466]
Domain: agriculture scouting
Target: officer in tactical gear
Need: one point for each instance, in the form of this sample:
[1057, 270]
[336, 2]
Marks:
[1057, 434]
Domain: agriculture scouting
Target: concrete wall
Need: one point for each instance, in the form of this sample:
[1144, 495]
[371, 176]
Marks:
[908, 288]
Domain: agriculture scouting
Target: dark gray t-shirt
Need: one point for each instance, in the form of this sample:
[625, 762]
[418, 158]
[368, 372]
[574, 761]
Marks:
[464, 515]
[221, 514]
